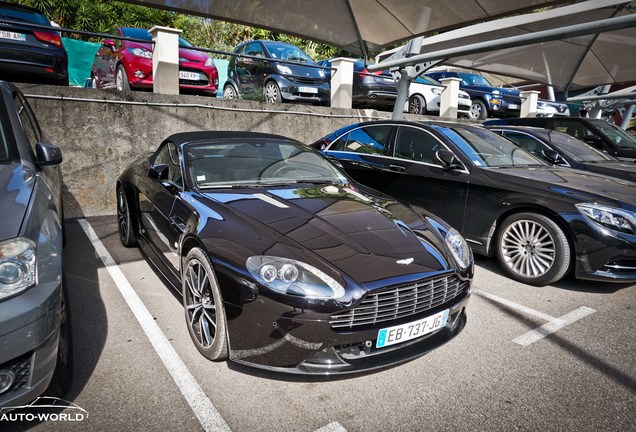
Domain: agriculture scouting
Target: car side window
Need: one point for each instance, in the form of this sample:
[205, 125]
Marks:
[369, 140]
[575, 129]
[417, 145]
[254, 49]
[27, 118]
[527, 142]
[168, 155]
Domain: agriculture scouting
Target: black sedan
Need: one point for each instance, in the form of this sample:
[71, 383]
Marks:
[538, 220]
[30, 53]
[559, 148]
[285, 264]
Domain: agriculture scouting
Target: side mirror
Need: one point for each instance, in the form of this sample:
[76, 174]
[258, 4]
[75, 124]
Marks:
[552, 156]
[159, 172]
[109, 42]
[448, 159]
[47, 154]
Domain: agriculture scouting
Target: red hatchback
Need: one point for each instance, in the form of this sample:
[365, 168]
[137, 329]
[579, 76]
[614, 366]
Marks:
[127, 65]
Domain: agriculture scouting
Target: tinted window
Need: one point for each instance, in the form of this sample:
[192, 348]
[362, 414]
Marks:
[254, 49]
[23, 15]
[616, 134]
[29, 124]
[527, 142]
[369, 140]
[574, 128]
[169, 155]
[576, 149]
[283, 51]
[416, 144]
[474, 79]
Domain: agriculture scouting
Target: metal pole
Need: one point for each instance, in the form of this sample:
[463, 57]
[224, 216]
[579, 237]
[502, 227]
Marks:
[404, 82]
[627, 116]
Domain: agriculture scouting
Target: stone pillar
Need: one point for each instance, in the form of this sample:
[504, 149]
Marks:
[529, 103]
[341, 82]
[165, 60]
[449, 97]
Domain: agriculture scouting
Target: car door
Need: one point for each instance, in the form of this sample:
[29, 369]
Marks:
[363, 153]
[251, 69]
[415, 175]
[157, 205]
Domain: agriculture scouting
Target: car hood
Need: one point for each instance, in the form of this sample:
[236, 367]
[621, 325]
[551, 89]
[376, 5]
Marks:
[369, 240]
[16, 186]
[577, 185]
[623, 170]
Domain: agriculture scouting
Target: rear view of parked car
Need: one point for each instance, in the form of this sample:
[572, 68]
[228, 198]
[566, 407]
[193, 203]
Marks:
[127, 65]
[256, 72]
[27, 53]
[35, 349]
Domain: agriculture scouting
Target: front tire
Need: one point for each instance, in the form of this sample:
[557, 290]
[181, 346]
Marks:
[478, 110]
[417, 105]
[229, 92]
[272, 92]
[533, 249]
[204, 312]
[121, 79]
[124, 219]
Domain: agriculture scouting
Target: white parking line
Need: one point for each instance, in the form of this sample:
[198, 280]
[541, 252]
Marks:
[553, 323]
[203, 408]
[332, 427]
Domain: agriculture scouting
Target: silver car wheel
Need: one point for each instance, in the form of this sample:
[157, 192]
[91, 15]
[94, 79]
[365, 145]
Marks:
[200, 306]
[528, 248]
[272, 92]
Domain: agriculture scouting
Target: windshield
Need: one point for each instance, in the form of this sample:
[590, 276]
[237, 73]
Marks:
[574, 148]
[283, 51]
[137, 33]
[616, 134]
[474, 80]
[486, 148]
[253, 162]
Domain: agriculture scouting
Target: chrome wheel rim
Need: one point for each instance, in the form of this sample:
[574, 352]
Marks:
[415, 106]
[528, 248]
[122, 214]
[120, 80]
[475, 111]
[200, 307]
[271, 92]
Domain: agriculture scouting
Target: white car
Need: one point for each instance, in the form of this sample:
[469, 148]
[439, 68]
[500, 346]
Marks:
[546, 108]
[424, 98]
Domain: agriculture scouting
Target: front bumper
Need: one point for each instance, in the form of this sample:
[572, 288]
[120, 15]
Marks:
[28, 344]
[287, 343]
[603, 254]
[140, 77]
[291, 91]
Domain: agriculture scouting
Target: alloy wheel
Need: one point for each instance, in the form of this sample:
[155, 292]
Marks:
[122, 214]
[272, 92]
[200, 306]
[119, 79]
[528, 248]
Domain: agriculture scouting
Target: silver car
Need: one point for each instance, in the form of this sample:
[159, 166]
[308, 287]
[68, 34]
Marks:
[35, 349]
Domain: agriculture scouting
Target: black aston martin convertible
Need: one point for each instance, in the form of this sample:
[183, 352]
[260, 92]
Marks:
[286, 264]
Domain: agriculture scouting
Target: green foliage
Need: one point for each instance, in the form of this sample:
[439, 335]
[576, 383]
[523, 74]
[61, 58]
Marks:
[102, 16]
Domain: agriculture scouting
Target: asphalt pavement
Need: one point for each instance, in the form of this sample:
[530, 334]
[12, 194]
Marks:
[556, 358]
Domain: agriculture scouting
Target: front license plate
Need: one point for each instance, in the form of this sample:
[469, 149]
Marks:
[512, 106]
[302, 89]
[402, 333]
[13, 36]
[189, 76]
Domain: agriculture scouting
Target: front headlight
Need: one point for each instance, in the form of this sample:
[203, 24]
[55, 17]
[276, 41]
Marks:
[436, 91]
[140, 52]
[294, 278]
[209, 62]
[17, 265]
[321, 73]
[286, 70]
[459, 248]
[609, 217]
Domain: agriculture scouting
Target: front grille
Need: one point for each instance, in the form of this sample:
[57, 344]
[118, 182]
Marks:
[394, 303]
[620, 266]
[21, 368]
[511, 99]
[305, 80]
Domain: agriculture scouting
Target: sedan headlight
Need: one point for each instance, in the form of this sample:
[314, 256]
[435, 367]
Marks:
[321, 73]
[609, 217]
[209, 62]
[459, 248]
[286, 70]
[140, 52]
[436, 91]
[17, 265]
[294, 278]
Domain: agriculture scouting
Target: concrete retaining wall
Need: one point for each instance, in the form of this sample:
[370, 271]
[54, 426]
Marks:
[101, 132]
